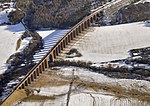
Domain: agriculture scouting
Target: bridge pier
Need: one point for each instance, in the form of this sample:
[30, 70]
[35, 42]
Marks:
[64, 44]
[32, 78]
[59, 48]
[29, 80]
[85, 24]
[26, 83]
[88, 23]
[91, 20]
[74, 34]
[66, 40]
[54, 54]
[80, 29]
[22, 86]
[77, 31]
[94, 18]
[57, 51]
[62, 47]
[40, 68]
[43, 66]
[98, 15]
[34, 75]
[37, 72]
[51, 57]
[46, 63]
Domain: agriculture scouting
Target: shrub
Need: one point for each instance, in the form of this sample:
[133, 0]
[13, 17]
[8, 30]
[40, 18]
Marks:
[15, 16]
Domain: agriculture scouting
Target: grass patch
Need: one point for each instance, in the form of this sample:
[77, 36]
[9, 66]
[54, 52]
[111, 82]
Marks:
[38, 97]
[18, 44]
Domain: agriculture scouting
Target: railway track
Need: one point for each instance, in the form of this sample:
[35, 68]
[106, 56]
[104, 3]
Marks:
[54, 51]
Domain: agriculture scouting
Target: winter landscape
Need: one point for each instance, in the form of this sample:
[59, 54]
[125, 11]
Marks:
[108, 64]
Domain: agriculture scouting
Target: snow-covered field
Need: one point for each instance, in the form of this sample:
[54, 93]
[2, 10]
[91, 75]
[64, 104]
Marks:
[112, 42]
[87, 89]
[9, 35]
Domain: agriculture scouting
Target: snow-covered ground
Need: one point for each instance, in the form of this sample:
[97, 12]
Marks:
[9, 35]
[142, 1]
[87, 89]
[112, 42]
[4, 13]
[24, 44]
[45, 33]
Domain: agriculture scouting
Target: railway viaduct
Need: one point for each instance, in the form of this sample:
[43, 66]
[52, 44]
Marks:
[53, 53]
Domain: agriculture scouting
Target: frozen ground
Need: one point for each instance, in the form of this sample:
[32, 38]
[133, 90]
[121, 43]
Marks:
[88, 89]
[9, 35]
[108, 43]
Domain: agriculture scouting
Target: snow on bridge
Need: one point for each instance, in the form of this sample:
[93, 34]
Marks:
[50, 39]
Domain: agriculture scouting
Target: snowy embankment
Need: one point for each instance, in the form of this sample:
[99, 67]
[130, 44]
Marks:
[88, 89]
[109, 43]
[9, 35]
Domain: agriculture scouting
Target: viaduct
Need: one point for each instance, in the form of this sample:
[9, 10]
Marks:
[53, 53]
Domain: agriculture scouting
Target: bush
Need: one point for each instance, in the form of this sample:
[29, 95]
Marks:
[28, 92]
[73, 53]
[71, 63]
[15, 16]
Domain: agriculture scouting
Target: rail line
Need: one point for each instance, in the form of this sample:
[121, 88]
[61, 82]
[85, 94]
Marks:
[54, 51]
